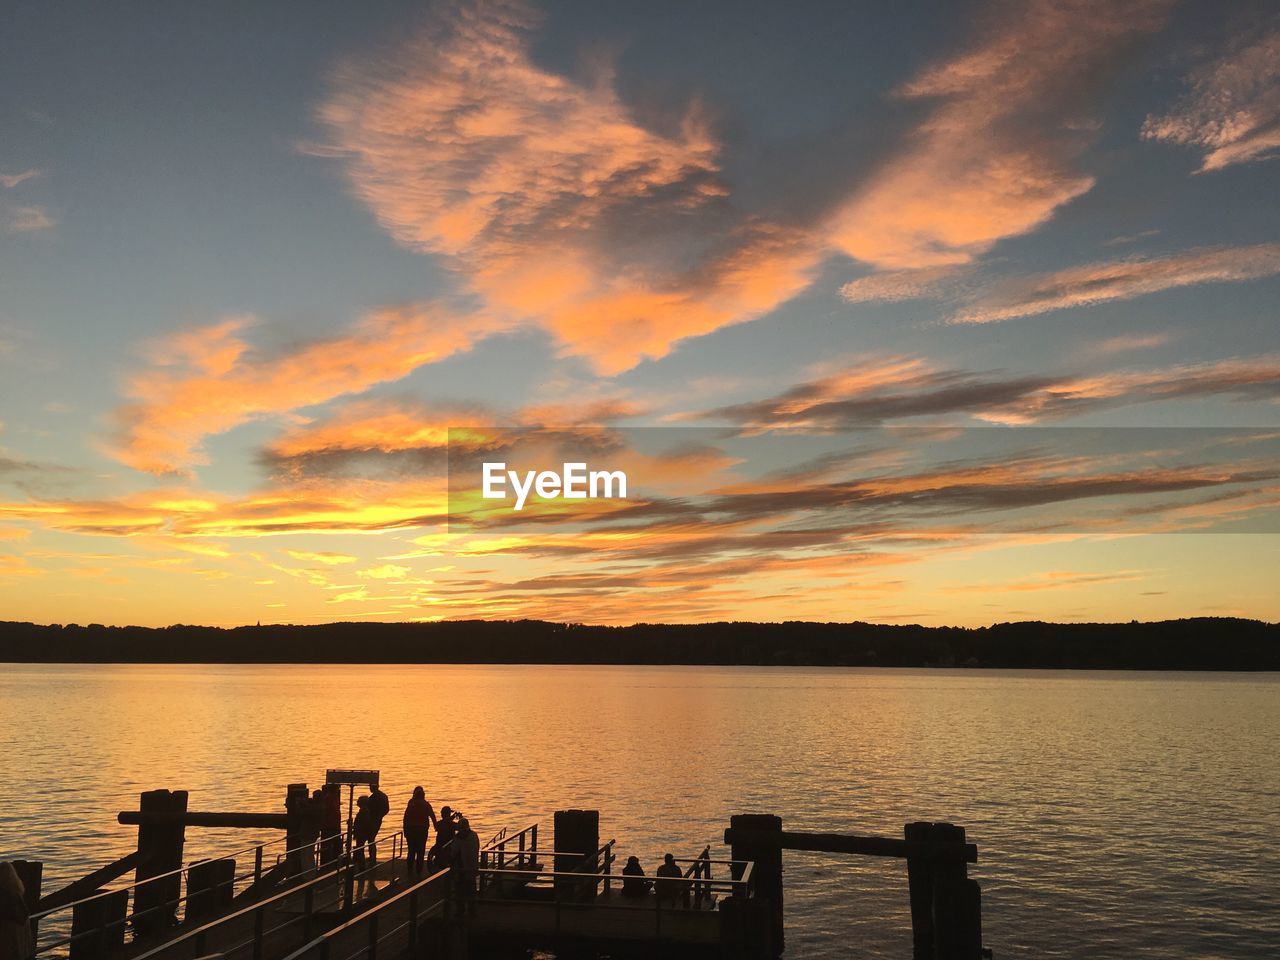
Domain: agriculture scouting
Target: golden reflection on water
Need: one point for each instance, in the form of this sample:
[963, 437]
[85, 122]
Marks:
[1125, 815]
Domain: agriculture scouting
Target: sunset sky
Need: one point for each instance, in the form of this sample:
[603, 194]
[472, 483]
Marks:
[259, 263]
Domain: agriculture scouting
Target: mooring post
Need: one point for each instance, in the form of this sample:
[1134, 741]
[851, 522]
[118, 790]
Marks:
[766, 875]
[295, 806]
[31, 873]
[920, 889]
[159, 852]
[957, 904]
[209, 887]
[97, 925]
[578, 833]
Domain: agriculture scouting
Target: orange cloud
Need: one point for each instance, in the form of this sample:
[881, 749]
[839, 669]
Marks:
[1232, 111]
[206, 381]
[549, 198]
[991, 159]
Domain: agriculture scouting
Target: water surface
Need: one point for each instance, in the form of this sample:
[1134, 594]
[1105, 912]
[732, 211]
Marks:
[1117, 815]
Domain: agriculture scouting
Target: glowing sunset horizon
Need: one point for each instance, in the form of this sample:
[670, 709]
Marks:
[891, 315]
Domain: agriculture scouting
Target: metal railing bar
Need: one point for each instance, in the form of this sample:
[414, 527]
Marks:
[180, 870]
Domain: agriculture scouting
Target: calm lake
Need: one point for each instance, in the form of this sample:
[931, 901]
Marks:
[1116, 815]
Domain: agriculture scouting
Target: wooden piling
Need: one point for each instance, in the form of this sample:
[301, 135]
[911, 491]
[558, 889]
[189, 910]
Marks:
[767, 872]
[97, 926]
[159, 852]
[578, 833]
[920, 890]
[31, 873]
[295, 808]
[209, 887]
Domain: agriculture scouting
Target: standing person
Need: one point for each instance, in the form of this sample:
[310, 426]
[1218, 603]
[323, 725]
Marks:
[668, 890]
[362, 832]
[16, 942]
[467, 861]
[418, 820]
[379, 807]
[446, 829]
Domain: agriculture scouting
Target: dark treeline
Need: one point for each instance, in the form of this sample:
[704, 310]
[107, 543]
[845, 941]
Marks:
[1194, 644]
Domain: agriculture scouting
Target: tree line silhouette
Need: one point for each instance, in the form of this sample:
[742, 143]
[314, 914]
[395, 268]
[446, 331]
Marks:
[1207, 643]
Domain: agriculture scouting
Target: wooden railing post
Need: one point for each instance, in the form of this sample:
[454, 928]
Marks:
[97, 926]
[209, 887]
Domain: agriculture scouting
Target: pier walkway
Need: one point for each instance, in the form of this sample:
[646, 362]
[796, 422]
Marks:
[517, 897]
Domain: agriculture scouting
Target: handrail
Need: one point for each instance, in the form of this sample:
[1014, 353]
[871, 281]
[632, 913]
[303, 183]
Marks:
[325, 871]
[203, 930]
[502, 838]
[160, 876]
[599, 877]
[370, 916]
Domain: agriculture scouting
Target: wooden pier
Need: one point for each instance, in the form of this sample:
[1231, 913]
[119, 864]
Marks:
[296, 898]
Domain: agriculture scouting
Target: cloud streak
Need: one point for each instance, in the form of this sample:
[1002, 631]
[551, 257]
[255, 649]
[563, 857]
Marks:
[1232, 111]
[208, 380]
[883, 389]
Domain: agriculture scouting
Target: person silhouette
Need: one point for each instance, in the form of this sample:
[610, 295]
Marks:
[446, 828]
[633, 882]
[467, 861]
[379, 806]
[418, 818]
[669, 890]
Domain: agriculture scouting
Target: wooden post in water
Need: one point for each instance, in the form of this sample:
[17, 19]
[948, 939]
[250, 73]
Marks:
[767, 872]
[159, 852]
[946, 906]
[295, 806]
[31, 873]
[920, 889]
[97, 925]
[957, 917]
[209, 887]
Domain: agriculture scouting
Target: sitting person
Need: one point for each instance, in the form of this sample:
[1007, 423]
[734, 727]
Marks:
[668, 886]
[633, 882]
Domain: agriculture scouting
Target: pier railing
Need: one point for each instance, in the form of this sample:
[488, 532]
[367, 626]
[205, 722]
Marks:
[372, 931]
[576, 891]
[520, 848]
[97, 923]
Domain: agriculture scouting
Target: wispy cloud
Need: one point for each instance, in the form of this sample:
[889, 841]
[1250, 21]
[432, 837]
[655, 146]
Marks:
[30, 219]
[551, 201]
[1232, 111]
[11, 180]
[1082, 286]
[1096, 283]
[993, 158]
[208, 380]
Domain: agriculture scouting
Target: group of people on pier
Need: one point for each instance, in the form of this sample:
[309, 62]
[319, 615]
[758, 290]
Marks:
[456, 844]
[666, 886]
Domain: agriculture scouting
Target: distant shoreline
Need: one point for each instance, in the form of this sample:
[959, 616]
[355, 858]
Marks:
[1200, 644]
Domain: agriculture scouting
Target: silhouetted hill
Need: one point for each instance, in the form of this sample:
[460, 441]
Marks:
[1194, 644]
